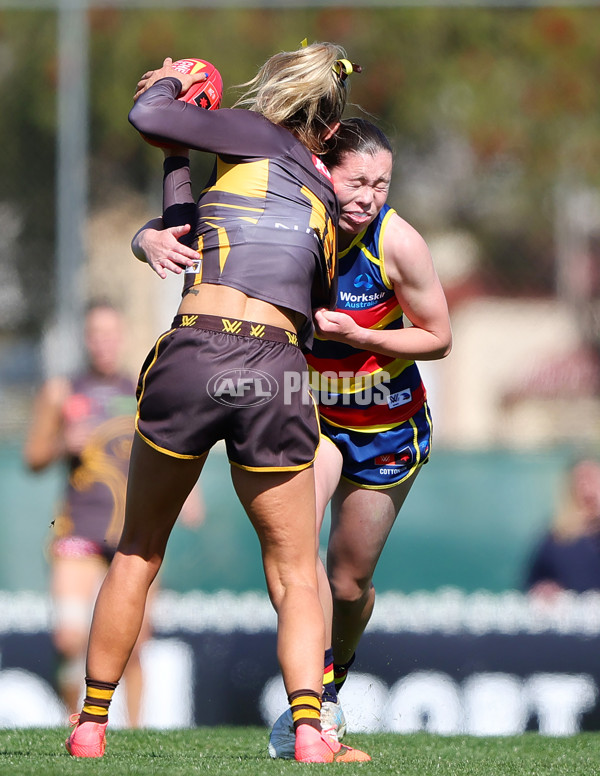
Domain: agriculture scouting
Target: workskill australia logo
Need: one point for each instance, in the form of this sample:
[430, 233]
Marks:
[363, 281]
[242, 387]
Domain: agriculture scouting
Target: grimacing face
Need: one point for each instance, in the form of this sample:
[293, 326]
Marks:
[361, 182]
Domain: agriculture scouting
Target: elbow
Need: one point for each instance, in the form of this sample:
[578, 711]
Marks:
[33, 463]
[139, 117]
[447, 349]
[37, 457]
[440, 352]
[445, 344]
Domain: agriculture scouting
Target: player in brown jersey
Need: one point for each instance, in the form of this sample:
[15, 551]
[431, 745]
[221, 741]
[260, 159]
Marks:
[88, 422]
[265, 235]
[352, 468]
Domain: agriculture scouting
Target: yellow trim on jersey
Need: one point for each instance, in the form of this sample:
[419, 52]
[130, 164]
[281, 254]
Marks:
[382, 228]
[224, 246]
[231, 206]
[318, 215]
[247, 180]
[198, 275]
[324, 228]
[360, 381]
[377, 260]
[392, 316]
[354, 242]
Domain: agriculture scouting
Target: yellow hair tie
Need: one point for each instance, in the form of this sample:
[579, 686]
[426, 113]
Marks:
[343, 68]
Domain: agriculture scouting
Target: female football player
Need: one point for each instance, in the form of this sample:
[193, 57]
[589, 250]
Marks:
[265, 233]
[375, 421]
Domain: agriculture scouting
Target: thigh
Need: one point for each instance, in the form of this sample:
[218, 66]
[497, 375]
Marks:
[328, 468]
[157, 487]
[281, 507]
[361, 520]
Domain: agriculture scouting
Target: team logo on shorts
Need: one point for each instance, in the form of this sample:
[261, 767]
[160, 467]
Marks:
[242, 387]
[389, 459]
[394, 463]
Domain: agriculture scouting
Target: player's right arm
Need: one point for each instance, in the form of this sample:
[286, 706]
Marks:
[45, 441]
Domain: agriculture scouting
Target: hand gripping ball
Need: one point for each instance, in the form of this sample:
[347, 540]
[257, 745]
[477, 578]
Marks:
[206, 94]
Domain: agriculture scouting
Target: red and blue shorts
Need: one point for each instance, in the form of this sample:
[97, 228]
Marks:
[383, 459]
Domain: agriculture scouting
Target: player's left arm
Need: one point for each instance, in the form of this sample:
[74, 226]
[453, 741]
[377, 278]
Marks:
[409, 268]
[162, 248]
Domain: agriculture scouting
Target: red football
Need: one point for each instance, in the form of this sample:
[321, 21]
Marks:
[206, 94]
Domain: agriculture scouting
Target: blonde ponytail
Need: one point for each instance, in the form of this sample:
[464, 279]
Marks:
[304, 91]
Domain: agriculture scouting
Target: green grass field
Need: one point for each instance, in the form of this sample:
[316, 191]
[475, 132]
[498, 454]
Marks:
[242, 752]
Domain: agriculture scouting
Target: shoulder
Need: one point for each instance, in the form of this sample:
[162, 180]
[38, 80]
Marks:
[399, 235]
[404, 248]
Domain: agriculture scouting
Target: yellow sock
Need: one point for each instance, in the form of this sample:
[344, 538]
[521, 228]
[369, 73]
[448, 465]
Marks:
[98, 696]
[306, 708]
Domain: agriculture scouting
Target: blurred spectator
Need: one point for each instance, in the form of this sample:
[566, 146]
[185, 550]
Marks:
[87, 421]
[568, 556]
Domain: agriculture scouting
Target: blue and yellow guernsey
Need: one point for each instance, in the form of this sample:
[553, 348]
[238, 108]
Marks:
[357, 389]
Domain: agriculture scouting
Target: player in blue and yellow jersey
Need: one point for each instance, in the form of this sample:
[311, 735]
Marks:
[264, 236]
[375, 422]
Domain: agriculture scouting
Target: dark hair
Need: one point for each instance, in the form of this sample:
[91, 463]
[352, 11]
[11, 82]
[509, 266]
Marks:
[101, 303]
[356, 136]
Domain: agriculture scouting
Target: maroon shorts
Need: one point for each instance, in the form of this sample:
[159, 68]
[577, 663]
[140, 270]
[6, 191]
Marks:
[210, 378]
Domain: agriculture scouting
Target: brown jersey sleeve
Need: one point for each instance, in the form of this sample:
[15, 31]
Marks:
[245, 134]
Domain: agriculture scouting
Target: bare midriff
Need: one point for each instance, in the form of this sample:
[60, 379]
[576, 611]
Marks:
[211, 299]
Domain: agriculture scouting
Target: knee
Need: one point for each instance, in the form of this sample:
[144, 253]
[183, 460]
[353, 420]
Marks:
[349, 590]
[70, 642]
[130, 570]
[134, 555]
